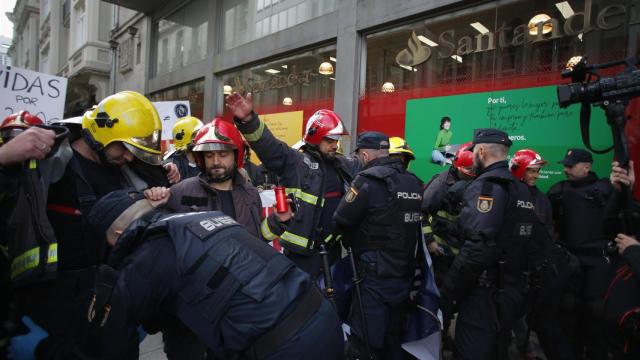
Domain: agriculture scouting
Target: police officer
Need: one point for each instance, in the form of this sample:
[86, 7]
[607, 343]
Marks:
[383, 209]
[486, 278]
[317, 176]
[237, 294]
[99, 165]
[578, 205]
[184, 130]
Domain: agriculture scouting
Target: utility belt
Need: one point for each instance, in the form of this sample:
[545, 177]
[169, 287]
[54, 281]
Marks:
[290, 325]
[372, 269]
[489, 279]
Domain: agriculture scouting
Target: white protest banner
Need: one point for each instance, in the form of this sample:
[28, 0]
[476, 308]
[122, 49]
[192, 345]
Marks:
[169, 112]
[38, 93]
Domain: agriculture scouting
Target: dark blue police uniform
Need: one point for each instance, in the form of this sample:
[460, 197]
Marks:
[579, 212]
[237, 294]
[486, 278]
[383, 210]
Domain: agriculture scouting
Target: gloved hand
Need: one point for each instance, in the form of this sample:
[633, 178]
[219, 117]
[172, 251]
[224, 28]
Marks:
[23, 347]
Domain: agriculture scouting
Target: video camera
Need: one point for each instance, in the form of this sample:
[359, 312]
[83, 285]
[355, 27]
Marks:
[622, 86]
[612, 94]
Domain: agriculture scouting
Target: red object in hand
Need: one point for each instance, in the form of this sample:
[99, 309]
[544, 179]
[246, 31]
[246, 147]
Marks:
[281, 199]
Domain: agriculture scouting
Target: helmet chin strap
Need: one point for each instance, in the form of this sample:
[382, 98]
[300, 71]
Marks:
[222, 179]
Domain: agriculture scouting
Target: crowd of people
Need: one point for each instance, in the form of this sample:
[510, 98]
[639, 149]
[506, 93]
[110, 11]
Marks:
[106, 239]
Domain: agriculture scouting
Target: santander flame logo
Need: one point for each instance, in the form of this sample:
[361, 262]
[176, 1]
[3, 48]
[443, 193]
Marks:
[416, 54]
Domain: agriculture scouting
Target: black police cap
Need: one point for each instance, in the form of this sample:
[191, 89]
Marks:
[490, 136]
[372, 140]
[109, 208]
[575, 156]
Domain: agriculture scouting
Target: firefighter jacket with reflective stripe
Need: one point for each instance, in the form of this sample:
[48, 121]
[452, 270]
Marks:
[441, 204]
[302, 173]
[31, 242]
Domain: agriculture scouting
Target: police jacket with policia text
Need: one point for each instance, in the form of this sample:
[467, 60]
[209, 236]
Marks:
[302, 173]
[498, 221]
[383, 208]
[225, 285]
[195, 194]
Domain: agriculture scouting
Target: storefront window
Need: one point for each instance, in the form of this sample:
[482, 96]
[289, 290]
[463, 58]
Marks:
[248, 20]
[181, 38]
[297, 85]
[489, 46]
[483, 52]
[192, 91]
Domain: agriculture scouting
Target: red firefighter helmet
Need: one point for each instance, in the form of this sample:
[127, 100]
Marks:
[218, 135]
[323, 123]
[16, 123]
[524, 159]
[463, 161]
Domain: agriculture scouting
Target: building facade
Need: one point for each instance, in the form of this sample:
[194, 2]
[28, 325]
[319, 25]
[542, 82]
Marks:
[69, 38]
[386, 64]
[5, 44]
[381, 64]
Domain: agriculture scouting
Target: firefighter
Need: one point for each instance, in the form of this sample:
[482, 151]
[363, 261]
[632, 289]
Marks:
[123, 129]
[317, 177]
[184, 130]
[398, 147]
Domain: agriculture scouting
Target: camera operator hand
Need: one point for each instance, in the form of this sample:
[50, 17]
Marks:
[620, 176]
[624, 241]
[34, 143]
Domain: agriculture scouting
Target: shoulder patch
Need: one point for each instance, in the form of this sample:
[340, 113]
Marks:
[484, 204]
[351, 195]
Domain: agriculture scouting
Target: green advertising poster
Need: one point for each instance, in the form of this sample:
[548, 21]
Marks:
[531, 117]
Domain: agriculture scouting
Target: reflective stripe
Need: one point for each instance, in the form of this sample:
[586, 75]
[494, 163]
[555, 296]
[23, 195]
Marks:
[266, 232]
[294, 239]
[306, 197]
[30, 259]
[256, 135]
[330, 238]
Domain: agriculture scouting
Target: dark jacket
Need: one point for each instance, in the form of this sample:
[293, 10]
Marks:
[195, 194]
[184, 167]
[441, 204]
[497, 221]
[236, 293]
[302, 173]
[383, 209]
[579, 212]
